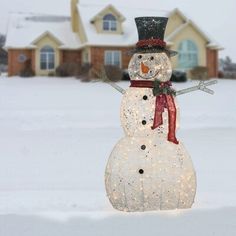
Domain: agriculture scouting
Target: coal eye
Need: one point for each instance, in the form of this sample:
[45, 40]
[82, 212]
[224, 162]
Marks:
[139, 56]
[151, 58]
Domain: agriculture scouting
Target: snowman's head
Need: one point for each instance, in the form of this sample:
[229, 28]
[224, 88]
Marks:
[150, 66]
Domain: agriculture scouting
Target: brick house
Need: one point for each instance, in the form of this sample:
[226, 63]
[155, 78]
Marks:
[100, 34]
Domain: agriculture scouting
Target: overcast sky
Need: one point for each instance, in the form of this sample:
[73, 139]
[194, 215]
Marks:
[216, 18]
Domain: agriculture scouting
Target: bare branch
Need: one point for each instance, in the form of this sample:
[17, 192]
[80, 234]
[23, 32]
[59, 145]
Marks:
[201, 86]
[104, 78]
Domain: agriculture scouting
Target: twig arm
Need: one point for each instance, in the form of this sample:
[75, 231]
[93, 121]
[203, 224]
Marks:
[104, 78]
[117, 87]
[201, 86]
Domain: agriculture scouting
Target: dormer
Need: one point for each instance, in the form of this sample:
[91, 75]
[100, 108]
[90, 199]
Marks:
[108, 21]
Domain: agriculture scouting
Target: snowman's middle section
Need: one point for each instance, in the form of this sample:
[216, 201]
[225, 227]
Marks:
[137, 113]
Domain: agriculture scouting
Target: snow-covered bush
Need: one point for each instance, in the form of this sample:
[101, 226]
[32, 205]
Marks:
[227, 68]
[3, 68]
[2, 40]
[178, 76]
[27, 70]
[114, 73]
[68, 69]
[199, 73]
[73, 69]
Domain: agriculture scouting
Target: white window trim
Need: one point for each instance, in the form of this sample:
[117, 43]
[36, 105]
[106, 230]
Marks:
[113, 51]
[110, 22]
[47, 54]
[191, 52]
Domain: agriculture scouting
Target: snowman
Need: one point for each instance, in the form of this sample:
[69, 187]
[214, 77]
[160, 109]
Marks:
[150, 169]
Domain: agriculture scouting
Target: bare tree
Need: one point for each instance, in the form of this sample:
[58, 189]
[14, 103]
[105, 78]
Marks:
[2, 40]
[228, 68]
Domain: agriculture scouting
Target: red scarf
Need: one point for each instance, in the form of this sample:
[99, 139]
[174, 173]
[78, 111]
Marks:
[163, 100]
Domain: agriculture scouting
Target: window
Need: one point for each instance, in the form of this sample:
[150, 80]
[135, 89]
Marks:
[113, 58]
[85, 56]
[188, 55]
[109, 23]
[22, 58]
[47, 58]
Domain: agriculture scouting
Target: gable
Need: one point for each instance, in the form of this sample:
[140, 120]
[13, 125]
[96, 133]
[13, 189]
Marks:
[47, 37]
[178, 22]
[190, 33]
[46, 40]
[176, 19]
[110, 9]
[97, 20]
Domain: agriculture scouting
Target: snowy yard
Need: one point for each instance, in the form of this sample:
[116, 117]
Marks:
[56, 136]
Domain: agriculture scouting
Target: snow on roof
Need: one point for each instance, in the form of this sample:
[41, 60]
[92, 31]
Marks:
[129, 36]
[24, 29]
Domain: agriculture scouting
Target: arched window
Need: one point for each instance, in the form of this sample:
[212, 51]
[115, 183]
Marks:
[109, 23]
[47, 58]
[188, 55]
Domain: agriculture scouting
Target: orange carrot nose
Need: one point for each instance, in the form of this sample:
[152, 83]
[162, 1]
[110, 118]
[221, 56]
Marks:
[144, 68]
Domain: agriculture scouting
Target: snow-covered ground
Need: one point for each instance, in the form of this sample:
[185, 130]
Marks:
[56, 136]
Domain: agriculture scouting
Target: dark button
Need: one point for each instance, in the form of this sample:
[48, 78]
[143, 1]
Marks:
[143, 147]
[141, 171]
[145, 97]
[144, 122]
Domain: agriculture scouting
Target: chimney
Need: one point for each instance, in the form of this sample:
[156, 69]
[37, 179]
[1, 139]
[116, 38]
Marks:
[74, 15]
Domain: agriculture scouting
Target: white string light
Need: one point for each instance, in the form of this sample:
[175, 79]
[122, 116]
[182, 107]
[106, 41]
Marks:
[145, 171]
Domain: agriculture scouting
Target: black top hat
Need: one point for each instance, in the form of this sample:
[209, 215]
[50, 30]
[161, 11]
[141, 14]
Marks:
[151, 32]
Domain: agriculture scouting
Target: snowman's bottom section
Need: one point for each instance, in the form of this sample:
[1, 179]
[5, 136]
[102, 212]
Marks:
[146, 174]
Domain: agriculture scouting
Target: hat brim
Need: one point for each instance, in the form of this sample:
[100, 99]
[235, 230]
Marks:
[171, 53]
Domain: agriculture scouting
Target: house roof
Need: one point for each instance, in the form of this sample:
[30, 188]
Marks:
[129, 37]
[24, 30]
